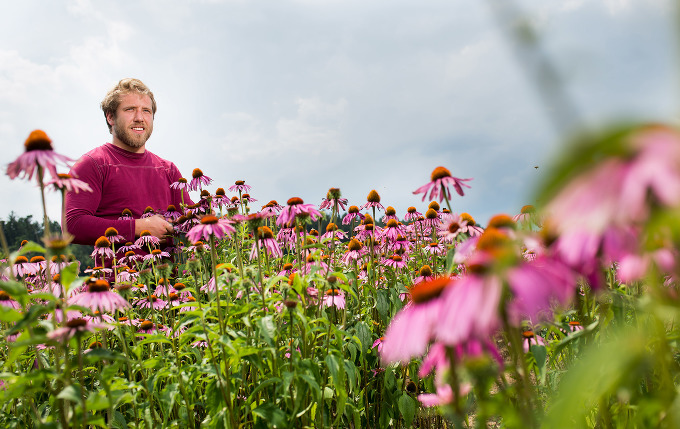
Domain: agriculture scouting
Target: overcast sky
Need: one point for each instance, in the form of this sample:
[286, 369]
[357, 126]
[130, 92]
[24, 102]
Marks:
[295, 97]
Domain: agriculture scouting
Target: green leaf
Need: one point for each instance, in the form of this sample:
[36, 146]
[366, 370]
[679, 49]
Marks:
[383, 304]
[540, 355]
[336, 370]
[261, 386]
[97, 401]
[70, 393]
[68, 274]
[364, 335]
[271, 414]
[13, 288]
[9, 315]
[267, 329]
[29, 247]
[168, 395]
[407, 408]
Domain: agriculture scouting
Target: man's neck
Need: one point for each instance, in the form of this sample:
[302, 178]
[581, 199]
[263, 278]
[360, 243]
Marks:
[120, 144]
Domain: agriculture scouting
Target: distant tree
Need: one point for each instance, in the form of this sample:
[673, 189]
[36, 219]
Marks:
[17, 229]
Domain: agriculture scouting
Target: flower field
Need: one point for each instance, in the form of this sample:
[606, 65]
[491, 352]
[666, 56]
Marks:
[335, 315]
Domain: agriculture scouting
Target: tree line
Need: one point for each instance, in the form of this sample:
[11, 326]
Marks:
[17, 229]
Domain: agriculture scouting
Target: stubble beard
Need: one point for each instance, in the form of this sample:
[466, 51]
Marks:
[129, 138]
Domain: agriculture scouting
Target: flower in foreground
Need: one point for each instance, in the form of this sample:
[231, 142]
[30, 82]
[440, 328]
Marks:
[439, 186]
[211, 225]
[100, 298]
[411, 330]
[38, 153]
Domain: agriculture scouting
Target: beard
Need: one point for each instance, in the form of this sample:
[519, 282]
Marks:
[130, 138]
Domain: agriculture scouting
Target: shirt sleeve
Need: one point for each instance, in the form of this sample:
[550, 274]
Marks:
[80, 208]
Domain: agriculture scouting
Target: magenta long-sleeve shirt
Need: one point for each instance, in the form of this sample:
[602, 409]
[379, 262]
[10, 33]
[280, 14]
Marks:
[119, 179]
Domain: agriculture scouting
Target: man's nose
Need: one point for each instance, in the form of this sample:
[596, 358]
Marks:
[139, 116]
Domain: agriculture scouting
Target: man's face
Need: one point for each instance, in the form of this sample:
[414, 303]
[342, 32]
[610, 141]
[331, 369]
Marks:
[133, 122]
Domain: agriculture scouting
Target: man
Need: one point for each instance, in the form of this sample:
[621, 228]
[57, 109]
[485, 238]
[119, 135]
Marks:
[123, 174]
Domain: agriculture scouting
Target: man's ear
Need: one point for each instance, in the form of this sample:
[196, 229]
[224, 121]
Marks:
[110, 117]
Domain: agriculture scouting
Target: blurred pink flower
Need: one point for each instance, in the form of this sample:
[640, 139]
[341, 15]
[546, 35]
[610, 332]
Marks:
[412, 328]
[38, 152]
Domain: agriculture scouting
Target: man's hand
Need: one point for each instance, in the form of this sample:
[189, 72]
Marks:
[156, 225]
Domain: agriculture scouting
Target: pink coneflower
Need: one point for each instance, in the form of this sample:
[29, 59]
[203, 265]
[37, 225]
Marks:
[211, 286]
[438, 187]
[128, 246]
[146, 239]
[373, 201]
[332, 230]
[65, 182]
[392, 230]
[240, 186]
[472, 310]
[352, 214]
[22, 267]
[130, 257]
[314, 262]
[102, 249]
[211, 226]
[333, 200]
[266, 240]
[7, 301]
[198, 180]
[379, 344]
[171, 213]
[400, 245]
[334, 297]
[435, 248]
[148, 212]
[355, 251]
[297, 208]
[181, 184]
[38, 152]
[529, 338]
[151, 301]
[38, 264]
[537, 286]
[287, 269]
[112, 235]
[271, 209]
[395, 261]
[156, 255]
[74, 327]
[146, 327]
[99, 298]
[126, 214]
[444, 395]
[367, 230]
[246, 198]
[451, 227]
[412, 214]
[191, 304]
[411, 330]
[473, 229]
